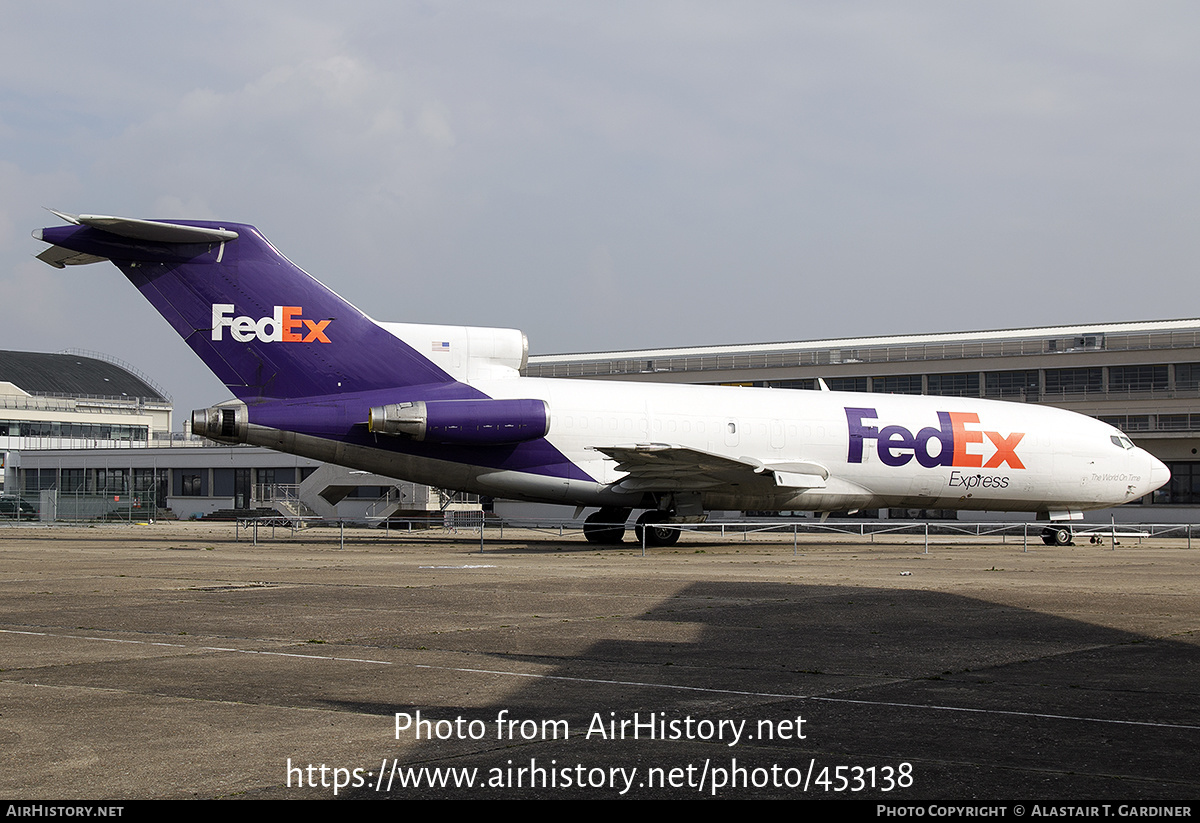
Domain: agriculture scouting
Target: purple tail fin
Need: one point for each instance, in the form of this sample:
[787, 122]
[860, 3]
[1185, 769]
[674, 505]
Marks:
[265, 327]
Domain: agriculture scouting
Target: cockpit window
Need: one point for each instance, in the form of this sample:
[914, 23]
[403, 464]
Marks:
[1122, 441]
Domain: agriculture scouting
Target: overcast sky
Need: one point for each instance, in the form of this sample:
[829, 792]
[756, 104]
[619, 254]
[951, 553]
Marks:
[613, 175]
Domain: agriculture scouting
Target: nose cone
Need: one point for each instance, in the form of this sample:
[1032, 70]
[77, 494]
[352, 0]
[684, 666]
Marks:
[1160, 475]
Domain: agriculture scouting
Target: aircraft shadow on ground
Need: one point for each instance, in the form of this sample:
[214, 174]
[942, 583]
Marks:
[984, 700]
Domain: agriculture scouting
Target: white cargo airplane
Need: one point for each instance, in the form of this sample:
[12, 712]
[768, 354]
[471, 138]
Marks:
[446, 406]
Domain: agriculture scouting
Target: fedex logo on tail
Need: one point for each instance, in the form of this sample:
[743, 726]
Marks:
[284, 326]
[955, 442]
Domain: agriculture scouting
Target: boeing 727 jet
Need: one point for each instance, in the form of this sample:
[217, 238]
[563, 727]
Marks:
[446, 406]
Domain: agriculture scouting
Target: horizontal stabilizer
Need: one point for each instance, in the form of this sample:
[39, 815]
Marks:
[60, 258]
[153, 231]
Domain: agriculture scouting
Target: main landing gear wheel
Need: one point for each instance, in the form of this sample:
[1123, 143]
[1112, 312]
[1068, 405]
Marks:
[654, 534]
[606, 527]
[1057, 536]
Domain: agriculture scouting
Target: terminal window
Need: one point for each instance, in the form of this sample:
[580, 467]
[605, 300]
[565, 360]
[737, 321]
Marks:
[1074, 381]
[897, 384]
[846, 383]
[1137, 378]
[1187, 376]
[965, 384]
[1024, 383]
[1184, 486]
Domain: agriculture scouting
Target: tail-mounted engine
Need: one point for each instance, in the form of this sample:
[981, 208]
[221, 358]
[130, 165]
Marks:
[467, 422]
[225, 424]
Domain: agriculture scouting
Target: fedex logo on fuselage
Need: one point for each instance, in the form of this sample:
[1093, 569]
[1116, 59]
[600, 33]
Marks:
[284, 326]
[958, 442]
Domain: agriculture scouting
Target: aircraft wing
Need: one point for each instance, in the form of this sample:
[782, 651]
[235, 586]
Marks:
[669, 467]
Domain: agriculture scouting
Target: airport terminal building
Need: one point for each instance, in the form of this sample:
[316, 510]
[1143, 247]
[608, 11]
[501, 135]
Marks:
[1143, 378]
[76, 401]
[84, 436]
[97, 432]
